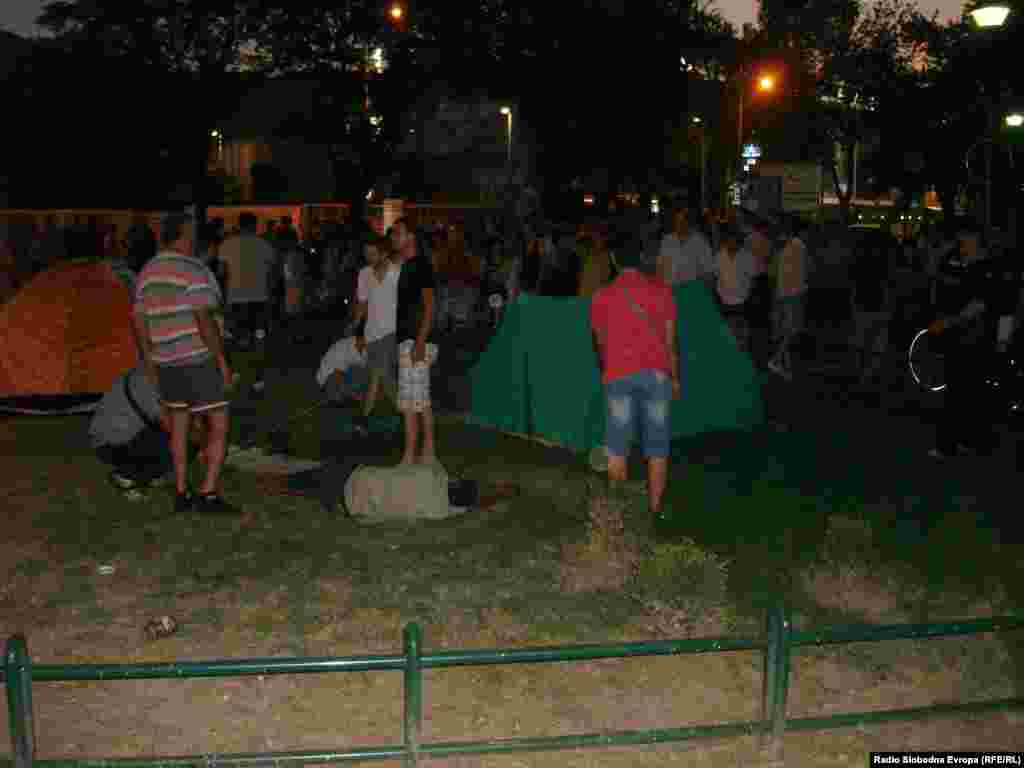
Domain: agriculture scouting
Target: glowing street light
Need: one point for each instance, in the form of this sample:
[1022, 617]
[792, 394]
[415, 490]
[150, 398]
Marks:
[396, 12]
[765, 83]
[1015, 120]
[989, 15]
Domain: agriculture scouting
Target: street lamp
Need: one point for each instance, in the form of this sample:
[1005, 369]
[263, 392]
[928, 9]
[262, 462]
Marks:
[1015, 120]
[698, 126]
[396, 12]
[765, 83]
[507, 112]
[990, 16]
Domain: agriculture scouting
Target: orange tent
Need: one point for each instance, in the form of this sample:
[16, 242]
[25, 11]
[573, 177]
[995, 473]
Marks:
[68, 331]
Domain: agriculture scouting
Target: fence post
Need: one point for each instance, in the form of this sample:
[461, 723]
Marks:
[18, 681]
[413, 694]
[770, 674]
[782, 632]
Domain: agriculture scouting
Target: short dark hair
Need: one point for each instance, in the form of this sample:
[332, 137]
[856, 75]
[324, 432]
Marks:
[248, 221]
[172, 228]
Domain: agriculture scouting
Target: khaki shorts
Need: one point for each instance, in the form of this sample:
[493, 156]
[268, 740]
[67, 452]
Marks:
[414, 380]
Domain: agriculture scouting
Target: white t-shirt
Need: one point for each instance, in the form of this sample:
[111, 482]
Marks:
[249, 260]
[689, 259]
[340, 357]
[381, 297]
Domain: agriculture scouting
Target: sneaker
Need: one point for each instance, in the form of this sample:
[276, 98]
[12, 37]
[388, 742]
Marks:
[183, 502]
[361, 424]
[214, 504]
[122, 482]
[133, 495]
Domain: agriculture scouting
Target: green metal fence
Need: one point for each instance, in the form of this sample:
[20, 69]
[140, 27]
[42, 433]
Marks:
[777, 645]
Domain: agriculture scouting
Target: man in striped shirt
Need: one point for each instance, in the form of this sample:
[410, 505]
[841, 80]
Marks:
[183, 355]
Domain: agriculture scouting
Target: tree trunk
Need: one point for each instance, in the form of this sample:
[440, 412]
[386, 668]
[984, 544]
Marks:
[843, 197]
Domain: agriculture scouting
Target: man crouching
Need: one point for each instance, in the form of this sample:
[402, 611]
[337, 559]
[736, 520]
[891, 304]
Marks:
[131, 433]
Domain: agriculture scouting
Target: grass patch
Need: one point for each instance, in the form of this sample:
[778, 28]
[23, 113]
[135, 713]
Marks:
[745, 526]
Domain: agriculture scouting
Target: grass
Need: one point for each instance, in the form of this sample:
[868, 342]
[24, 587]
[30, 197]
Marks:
[761, 502]
[298, 580]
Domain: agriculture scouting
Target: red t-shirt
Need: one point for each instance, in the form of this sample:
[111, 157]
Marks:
[631, 345]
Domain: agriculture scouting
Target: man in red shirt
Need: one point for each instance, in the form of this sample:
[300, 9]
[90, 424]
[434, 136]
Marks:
[634, 325]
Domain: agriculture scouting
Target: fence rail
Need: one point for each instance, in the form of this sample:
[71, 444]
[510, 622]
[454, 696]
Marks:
[777, 644]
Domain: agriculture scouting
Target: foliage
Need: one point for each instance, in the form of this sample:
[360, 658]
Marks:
[196, 59]
[681, 570]
[206, 38]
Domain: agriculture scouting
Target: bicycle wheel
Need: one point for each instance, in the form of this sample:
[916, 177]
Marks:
[927, 362]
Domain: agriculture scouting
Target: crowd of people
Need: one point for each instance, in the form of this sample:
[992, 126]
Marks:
[404, 287]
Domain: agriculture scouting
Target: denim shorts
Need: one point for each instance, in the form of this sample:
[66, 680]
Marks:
[643, 399]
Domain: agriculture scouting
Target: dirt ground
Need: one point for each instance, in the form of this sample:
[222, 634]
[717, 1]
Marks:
[77, 615]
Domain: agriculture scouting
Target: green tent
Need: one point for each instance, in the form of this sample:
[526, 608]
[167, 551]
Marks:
[539, 376]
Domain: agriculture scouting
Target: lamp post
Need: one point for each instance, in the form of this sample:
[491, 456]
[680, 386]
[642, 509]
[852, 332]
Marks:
[990, 16]
[765, 83]
[507, 112]
[698, 122]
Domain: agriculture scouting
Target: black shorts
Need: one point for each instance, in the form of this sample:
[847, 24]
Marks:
[198, 386]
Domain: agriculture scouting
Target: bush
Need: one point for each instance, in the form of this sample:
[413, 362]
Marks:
[684, 590]
[677, 572]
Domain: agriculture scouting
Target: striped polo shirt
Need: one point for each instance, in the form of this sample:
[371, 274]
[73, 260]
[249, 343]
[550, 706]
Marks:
[167, 292]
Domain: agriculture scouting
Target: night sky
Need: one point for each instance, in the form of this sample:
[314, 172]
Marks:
[19, 16]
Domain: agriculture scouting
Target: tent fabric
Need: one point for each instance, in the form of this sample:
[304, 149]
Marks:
[540, 377]
[50, 405]
[67, 332]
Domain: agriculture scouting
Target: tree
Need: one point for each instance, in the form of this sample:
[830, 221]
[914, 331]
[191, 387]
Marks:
[193, 55]
[861, 62]
[576, 54]
[361, 97]
[962, 79]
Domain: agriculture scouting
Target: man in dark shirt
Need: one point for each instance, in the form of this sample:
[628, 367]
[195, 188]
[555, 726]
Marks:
[968, 325]
[415, 318]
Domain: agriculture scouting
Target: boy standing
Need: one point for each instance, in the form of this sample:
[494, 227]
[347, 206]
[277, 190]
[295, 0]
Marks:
[377, 297]
[634, 326]
[416, 289]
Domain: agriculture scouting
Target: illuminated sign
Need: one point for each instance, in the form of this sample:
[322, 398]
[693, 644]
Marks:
[751, 151]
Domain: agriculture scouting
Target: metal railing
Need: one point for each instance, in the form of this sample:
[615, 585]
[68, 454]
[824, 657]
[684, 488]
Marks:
[777, 645]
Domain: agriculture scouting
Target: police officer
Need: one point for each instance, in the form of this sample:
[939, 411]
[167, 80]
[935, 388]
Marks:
[968, 324]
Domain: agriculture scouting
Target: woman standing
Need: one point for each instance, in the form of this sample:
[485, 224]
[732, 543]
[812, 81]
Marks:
[735, 266]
